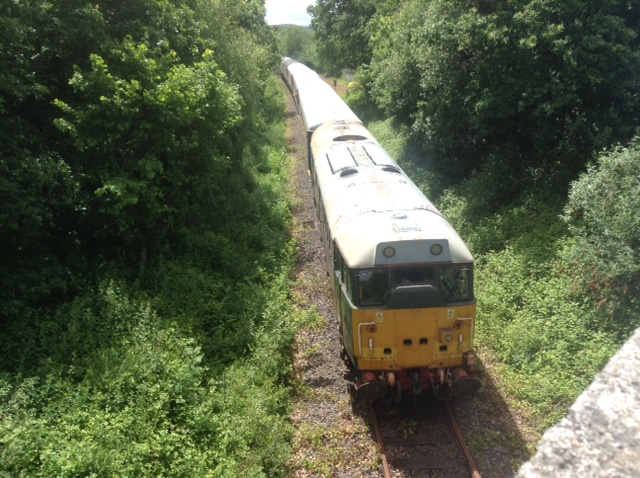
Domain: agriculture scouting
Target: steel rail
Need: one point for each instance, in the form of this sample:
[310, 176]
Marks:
[376, 426]
[454, 425]
[463, 446]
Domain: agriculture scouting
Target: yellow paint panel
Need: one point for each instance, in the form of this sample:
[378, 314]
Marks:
[412, 338]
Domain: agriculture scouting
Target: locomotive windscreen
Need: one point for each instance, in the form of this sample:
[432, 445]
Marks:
[422, 286]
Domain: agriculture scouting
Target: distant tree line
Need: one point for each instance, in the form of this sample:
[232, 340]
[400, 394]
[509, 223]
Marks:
[295, 41]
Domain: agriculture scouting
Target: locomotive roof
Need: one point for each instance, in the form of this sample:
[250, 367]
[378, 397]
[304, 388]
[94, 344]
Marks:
[371, 204]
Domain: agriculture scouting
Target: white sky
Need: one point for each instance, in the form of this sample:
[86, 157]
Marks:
[288, 11]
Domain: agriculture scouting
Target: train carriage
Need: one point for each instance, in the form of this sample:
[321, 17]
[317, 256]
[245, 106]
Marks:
[402, 277]
[316, 101]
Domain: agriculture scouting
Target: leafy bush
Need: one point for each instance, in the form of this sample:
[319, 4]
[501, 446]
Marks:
[181, 373]
[145, 315]
[543, 329]
[141, 399]
[602, 213]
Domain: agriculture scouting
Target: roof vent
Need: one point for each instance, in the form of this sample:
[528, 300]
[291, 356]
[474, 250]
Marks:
[390, 168]
[347, 172]
[350, 137]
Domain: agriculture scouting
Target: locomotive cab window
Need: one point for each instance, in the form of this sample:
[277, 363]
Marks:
[372, 286]
[413, 276]
[457, 283]
[414, 287]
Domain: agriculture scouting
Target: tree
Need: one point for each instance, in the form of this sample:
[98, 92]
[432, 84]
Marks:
[123, 125]
[151, 145]
[296, 42]
[340, 28]
[522, 89]
[39, 193]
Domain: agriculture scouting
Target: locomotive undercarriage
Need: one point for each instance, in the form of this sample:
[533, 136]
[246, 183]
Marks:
[389, 386]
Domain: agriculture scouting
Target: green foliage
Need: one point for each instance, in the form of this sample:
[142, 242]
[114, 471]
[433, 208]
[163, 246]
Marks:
[245, 49]
[359, 99]
[156, 140]
[340, 32]
[197, 389]
[144, 305]
[39, 191]
[145, 403]
[38, 197]
[157, 105]
[543, 329]
[296, 42]
[602, 213]
[545, 333]
[524, 90]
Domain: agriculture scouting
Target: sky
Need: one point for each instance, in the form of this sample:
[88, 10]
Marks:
[288, 12]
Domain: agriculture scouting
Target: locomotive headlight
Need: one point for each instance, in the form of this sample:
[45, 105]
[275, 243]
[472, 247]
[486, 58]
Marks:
[436, 249]
[446, 335]
[372, 329]
[389, 252]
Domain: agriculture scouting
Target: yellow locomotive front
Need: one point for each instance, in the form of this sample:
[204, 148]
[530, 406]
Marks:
[402, 276]
[407, 328]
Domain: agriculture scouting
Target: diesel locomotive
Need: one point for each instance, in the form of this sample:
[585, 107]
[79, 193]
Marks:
[402, 277]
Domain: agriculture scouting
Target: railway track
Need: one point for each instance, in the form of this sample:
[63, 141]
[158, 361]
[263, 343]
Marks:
[421, 439]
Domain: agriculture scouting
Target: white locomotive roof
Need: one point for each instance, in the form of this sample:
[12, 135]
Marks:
[371, 204]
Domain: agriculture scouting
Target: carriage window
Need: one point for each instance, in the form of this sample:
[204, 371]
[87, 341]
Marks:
[372, 285]
[456, 283]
